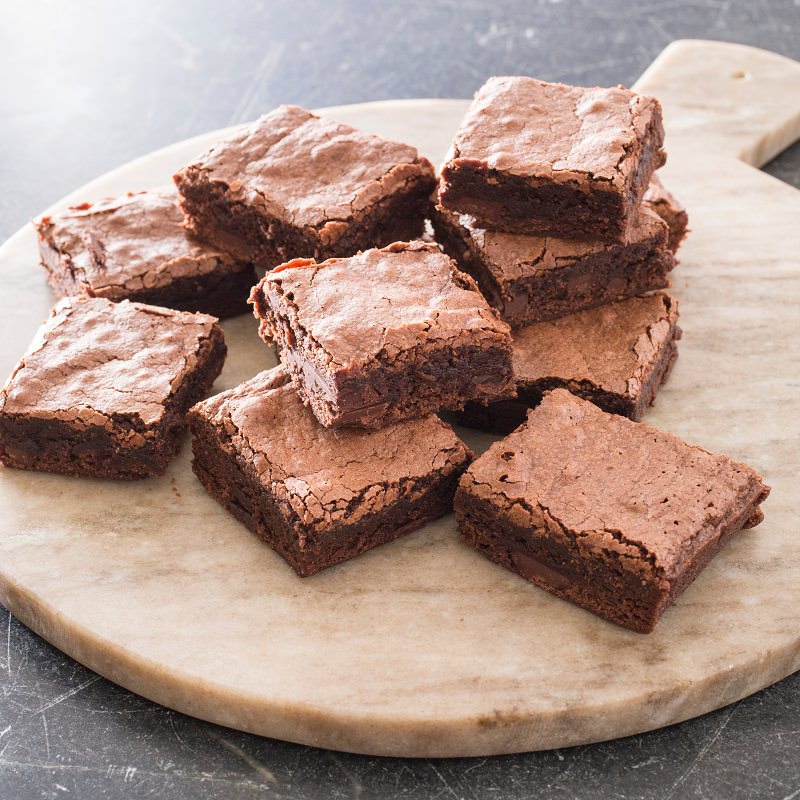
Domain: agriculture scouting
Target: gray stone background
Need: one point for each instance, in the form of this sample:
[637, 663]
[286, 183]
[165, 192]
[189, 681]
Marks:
[88, 85]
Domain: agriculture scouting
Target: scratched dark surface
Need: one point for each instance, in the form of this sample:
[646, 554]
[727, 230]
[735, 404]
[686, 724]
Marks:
[87, 86]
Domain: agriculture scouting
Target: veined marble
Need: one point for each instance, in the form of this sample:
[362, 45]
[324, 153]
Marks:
[422, 647]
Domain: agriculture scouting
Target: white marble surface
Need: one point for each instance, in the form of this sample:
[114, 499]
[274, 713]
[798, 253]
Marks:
[422, 647]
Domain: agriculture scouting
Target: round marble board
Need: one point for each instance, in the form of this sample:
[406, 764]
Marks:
[422, 647]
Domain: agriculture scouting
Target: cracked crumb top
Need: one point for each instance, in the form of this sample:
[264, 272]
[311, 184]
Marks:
[549, 130]
[615, 346]
[383, 302]
[319, 470]
[306, 169]
[617, 485]
[93, 359]
[128, 244]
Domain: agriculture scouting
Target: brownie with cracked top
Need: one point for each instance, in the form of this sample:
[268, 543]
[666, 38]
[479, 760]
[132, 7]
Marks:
[616, 356]
[104, 388]
[613, 515]
[320, 496]
[555, 159]
[295, 185]
[536, 278]
[670, 209]
[136, 247]
[385, 335]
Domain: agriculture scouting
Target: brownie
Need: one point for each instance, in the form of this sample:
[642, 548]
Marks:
[384, 335]
[135, 247]
[614, 515]
[667, 206]
[318, 496]
[616, 356]
[104, 388]
[296, 185]
[558, 160]
[536, 278]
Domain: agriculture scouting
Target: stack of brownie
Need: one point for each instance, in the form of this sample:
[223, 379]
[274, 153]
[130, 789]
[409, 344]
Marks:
[551, 213]
[548, 199]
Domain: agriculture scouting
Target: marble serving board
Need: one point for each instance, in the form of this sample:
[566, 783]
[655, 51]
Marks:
[422, 647]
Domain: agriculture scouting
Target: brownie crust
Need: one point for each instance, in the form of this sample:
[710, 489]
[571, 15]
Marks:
[104, 389]
[616, 356]
[669, 208]
[318, 497]
[296, 185]
[389, 334]
[561, 160]
[539, 278]
[612, 515]
[135, 247]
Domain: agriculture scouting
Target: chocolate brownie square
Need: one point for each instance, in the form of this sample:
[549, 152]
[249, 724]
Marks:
[614, 515]
[104, 388]
[135, 247]
[669, 208]
[616, 356]
[318, 496]
[536, 278]
[384, 335]
[296, 185]
[558, 160]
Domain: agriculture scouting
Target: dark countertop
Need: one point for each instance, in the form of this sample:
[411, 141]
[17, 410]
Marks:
[88, 86]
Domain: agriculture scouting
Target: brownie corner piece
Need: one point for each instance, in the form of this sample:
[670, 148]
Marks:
[316, 496]
[385, 335]
[610, 514]
[135, 247]
[562, 160]
[311, 187]
[104, 388]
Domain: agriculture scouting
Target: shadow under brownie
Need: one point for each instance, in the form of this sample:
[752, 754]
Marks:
[610, 514]
[104, 388]
[319, 496]
[135, 247]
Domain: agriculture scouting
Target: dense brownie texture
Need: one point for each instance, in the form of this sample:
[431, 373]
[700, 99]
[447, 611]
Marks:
[385, 335]
[296, 185]
[536, 278]
[318, 496]
[616, 356]
[667, 206]
[104, 388]
[555, 159]
[135, 247]
[616, 516]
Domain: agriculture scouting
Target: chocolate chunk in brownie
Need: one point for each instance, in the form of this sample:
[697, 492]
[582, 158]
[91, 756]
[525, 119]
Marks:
[384, 335]
[104, 388]
[616, 356]
[295, 185]
[614, 515]
[668, 207]
[535, 278]
[557, 160]
[318, 496]
[135, 247]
